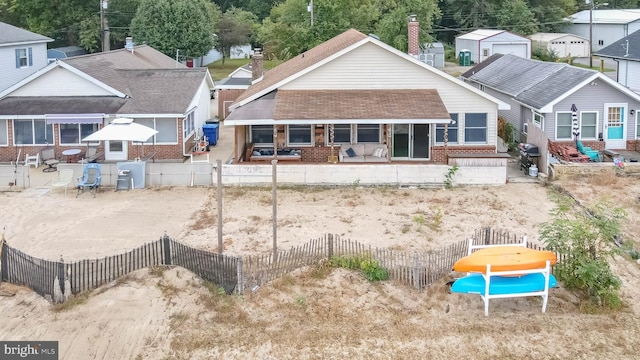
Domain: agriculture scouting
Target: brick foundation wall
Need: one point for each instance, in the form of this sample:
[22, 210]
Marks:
[438, 156]
[318, 154]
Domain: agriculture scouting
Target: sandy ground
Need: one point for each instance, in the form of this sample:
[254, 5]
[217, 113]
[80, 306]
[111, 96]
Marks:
[316, 312]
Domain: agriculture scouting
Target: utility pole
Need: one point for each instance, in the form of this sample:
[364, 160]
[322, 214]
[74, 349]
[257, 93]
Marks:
[104, 25]
[592, 6]
[310, 9]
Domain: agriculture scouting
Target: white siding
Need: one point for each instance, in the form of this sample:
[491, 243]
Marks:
[203, 112]
[468, 44]
[629, 74]
[9, 74]
[517, 49]
[607, 33]
[371, 67]
[49, 84]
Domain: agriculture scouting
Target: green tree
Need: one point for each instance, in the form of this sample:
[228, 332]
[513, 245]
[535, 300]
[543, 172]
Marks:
[392, 27]
[587, 237]
[170, 26]
[515, 16]
[119, 16]
[233, 28]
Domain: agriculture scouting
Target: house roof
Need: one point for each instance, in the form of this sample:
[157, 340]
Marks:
[627, 48]
[352, 106]
[480, 34]
[11, 35]
[531, 82]
[233, 83]
[546, 37]
[606, 16]
[60, 105]
[303, 61]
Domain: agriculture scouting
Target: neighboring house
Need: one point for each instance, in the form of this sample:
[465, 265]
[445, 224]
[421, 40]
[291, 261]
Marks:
[607, 26]
[21, 54]
[626, 53]
[228, 89]
[355, 89]
[72, 98]
[485, 42]
[64, 52]
[544, 92]
[562, 45]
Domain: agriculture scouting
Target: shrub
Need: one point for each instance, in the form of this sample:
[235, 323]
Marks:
[588, 238]
[369, 267]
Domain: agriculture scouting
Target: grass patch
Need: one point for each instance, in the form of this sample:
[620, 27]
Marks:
[220, 71]
[369, 267]
[74, 301]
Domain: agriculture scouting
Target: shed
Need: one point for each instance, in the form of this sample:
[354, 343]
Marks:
[432, 54]
[486, 42]
[561, 44]
[606, 25]
[65, 52]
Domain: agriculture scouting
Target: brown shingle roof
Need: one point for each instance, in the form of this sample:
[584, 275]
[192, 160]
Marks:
[359, 104]
[304, 61]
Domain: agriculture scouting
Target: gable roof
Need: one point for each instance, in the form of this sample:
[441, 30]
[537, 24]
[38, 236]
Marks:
[480, 34]
[535, 83]
[303, 61]
[627, 48]
[12, 35]
[328, 51]
[605, 16]
[546, 37]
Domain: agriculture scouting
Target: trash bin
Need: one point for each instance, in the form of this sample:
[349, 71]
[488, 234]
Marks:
[464, 57]
[211, 132]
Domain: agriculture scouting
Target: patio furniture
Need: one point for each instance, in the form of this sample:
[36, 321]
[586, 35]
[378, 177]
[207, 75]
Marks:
[594, 155]
[32, 160]
[90, 179]
[64, 179]
[91, 155]
[49, 158]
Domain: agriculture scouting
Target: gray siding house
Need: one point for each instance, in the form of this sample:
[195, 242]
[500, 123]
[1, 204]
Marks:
[626, 53]
[607, 25]
[544, 93]
[22, 53]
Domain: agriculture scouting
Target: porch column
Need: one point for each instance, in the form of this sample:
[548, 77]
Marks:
[275, 141]
[446, 142]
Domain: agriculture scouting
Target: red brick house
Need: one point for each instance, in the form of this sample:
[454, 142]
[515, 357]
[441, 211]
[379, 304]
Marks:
[354, 93]
[74, 97]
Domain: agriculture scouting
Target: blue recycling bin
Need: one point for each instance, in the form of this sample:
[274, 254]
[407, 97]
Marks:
[211, 132]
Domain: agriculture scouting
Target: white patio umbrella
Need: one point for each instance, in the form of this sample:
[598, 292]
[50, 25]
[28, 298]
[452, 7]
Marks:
[122, 129]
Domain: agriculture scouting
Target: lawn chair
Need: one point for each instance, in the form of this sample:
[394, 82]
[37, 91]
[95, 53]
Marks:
[49, 158]
[90, 179]
[32, 160]
[594, 155]
[64, 179]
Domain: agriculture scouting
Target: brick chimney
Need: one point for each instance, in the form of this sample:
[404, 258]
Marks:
[414, 36]
[256, 64]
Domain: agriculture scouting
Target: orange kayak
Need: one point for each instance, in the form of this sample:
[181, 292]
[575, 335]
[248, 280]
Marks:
[505, 258]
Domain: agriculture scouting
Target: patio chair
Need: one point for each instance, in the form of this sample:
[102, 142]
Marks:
[32, 160]
[594, 155]
[91, 155]
[64, 179]
[90, 179]
[49, 158]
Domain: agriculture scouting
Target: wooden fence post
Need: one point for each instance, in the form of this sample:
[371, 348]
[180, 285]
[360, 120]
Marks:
[166, 248]
[416, 280]
[61, 274]
[3, 260]
[240, 288]
[330, 246]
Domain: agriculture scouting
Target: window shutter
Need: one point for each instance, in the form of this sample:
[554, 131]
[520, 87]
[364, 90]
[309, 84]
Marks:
[17, 59]
[30, 58]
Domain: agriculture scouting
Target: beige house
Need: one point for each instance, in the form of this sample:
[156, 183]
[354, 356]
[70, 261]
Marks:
[563, 45]
[354, 92]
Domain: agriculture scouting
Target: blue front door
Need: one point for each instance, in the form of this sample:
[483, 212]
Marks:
[614, 126]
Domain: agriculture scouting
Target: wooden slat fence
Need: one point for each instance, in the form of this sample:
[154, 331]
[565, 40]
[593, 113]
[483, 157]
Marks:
[417, 269]
[87, 275]
[220, 269]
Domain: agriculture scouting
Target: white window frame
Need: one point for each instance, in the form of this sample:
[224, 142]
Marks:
[188, 125]
[327, 136]
[570, 126]
[4, 132]
[357, 140]
[154, 125]
[595, 136]
[33, 135]
[22, 58]
[467, 127]
[454, 126]
[79, 126]
[260, 144]
[537, 119]
[311, 135]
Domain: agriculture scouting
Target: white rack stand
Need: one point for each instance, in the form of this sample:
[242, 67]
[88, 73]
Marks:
[546, 271]
[477, 247]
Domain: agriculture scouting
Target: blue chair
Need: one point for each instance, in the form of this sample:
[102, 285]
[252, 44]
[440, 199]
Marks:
[594, 155]
[90, 179]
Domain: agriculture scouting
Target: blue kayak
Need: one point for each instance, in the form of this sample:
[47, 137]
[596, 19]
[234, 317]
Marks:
[474, 284]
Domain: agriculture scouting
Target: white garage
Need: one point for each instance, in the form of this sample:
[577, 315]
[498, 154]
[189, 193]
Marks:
[485, 42]
[563, 45]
